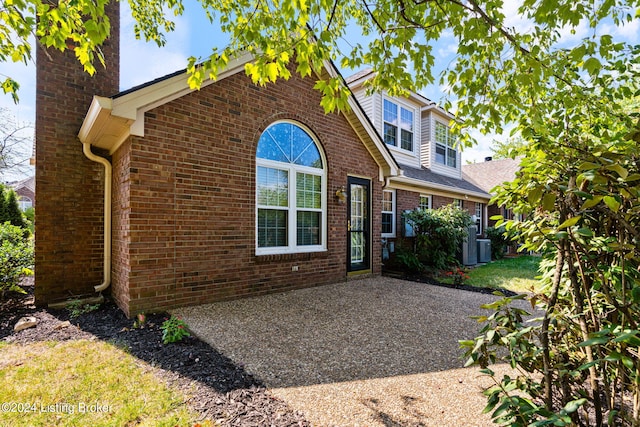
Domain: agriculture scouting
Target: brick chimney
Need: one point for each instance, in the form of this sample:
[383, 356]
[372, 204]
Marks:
[69, 187]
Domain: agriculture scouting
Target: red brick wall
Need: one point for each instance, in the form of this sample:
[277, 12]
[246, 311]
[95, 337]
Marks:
[69, 187]
[187, 190]
[405, 200]
[121, 210]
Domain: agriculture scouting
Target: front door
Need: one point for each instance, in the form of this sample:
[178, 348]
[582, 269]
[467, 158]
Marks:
[358, 224]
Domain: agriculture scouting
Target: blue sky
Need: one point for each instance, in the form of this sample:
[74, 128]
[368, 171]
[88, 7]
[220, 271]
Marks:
[141, 62]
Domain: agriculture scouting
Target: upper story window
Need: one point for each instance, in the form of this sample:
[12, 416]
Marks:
[398, 126]
[446, 154]
[290, 188]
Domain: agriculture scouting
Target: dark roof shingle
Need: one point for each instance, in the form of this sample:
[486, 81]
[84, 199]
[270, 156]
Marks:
[489, 174]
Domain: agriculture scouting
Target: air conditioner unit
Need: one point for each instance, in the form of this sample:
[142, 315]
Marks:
[484, 250]
[469, 248]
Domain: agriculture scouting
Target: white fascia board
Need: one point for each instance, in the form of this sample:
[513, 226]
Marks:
[110, 121]
[100, 128]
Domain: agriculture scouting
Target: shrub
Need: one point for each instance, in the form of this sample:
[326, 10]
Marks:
[439, 234]
[174, 329]
[16, 257]
[9, 208]
[499, 241]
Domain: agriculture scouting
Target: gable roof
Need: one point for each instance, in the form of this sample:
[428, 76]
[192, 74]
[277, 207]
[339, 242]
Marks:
[111, 120]
[27, 183]
[358, 79]
[491, 173]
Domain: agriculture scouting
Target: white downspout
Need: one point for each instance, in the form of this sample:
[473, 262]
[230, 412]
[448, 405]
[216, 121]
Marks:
[86, 148]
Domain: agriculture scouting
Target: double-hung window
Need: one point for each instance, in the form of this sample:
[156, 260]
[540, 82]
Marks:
[388, 213]
[290, 189]
[425, 202]
[398, 125]
[446, 154]
[479, 217]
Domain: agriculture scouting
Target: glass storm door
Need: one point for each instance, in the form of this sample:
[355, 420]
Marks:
[358, 224]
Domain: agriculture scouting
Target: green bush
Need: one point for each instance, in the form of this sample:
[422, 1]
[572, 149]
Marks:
[499, 241]
[9, 208]
[577, 363]
[16, 257]
[439, 234]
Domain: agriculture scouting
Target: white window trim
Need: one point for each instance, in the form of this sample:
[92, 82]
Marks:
[292, 169]
[415, 125]
[392, 212]
[429, 204]
[480, 229]
[447, 146]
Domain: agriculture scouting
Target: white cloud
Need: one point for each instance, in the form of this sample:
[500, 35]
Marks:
[446, 50]
[142, 61]
[482, 149]
[630, 31]
[570, 35]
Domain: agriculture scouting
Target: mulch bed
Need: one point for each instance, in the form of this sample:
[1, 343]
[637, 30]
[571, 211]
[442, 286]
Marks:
[220, 390]
[424, 278]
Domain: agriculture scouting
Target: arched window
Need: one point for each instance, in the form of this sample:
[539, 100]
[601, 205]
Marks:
[290, 191]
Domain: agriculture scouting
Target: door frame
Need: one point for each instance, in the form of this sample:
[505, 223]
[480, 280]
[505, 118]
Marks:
[366, 266]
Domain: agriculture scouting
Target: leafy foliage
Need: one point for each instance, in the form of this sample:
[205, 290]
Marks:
[439, 234]
[174, 329]
[16, 257]
[79, 25]
[77, 308]
[579, 187]
[499, 241]
[9, 208]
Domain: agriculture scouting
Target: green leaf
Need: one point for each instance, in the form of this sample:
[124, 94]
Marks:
[630, 337]
[570, 222]
[622, 172]
[548, 201]
[592, 66]
[585, 232]
[573, 406]
[597, 340]
[589, 203]
[612, 202]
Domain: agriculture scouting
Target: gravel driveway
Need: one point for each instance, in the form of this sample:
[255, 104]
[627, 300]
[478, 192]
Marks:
[370, 352]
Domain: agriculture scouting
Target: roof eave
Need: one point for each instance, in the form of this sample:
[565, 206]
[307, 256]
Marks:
[413, 184]
[110, 121]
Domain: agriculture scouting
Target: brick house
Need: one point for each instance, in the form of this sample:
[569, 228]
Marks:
[416, 130]
[169, 197]
[26, 191]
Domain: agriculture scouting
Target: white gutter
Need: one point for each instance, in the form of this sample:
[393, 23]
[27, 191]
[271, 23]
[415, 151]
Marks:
[86, 148]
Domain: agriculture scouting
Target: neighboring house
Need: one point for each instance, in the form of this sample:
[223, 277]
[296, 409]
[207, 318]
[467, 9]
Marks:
[416, 131]
[177, 197]
[490, 174]
[26, 191]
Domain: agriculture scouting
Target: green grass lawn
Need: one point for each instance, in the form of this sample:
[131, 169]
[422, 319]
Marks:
[83, 383]
[515, 274]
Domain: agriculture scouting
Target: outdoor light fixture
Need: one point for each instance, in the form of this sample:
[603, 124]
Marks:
[341, 195]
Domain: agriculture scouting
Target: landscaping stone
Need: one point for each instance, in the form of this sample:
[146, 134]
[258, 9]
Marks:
[25, 323]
